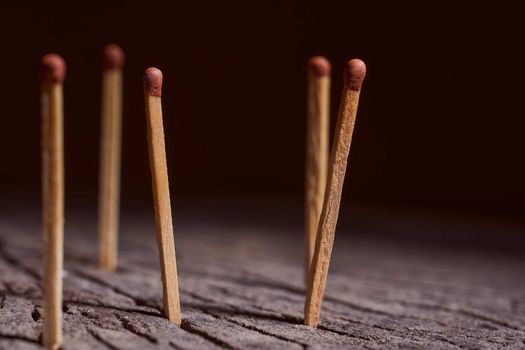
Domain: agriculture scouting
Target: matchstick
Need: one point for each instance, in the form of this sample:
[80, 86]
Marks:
[161, 194]
[52, 74]
[317, 136]
[109, 176]
[354, 74]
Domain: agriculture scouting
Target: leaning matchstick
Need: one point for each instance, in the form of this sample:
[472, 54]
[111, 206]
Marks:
[317, 135]
[354, 74]
[161, 194]
[52, 74]
[109, 176]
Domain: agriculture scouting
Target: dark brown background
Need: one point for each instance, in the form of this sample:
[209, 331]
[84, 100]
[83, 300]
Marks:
[440, 124]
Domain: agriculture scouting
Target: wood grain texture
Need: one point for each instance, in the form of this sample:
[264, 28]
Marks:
[161, 195]
[243, 286]
[330, 212]
[109, 176]
[53, 210]
[317, 139]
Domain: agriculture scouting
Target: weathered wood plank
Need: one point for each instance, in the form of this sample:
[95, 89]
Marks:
[239, 291]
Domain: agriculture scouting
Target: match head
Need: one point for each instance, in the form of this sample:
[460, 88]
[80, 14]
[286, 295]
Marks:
[52, 69]
[355, 72]
[113, 57]
[153, 82]
[319, 66]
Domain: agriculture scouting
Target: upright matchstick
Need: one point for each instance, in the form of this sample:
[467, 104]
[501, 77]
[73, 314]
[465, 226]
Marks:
[161, 194]
[353, 78]
[52, 74]
[109, 176]
[317, 136]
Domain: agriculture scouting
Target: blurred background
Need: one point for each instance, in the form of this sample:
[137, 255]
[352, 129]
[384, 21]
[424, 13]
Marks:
[440, 122]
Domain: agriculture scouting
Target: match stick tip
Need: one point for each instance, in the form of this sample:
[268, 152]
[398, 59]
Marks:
[355, 74]
[320, 66]
[113, 57]
[153, 82]
[52, 69]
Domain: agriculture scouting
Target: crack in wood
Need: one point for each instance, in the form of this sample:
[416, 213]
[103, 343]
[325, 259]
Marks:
[444, 339]
[237, 311]
[111, 307]
[262, 331]
[137, 301]
[360, 307]
[188, 327]
[460, 310]
[487, 318]
[256, 280]
[196, 296]
[175, 346]
[129, 326]
[432, 335]
[35, 314]
[19, 337]
[369, 325]
[17, 264]
[328, 329]
[101, 340]
[251, 327]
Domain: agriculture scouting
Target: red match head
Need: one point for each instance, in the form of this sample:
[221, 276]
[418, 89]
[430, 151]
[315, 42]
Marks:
[355, 72]
[319, 66]
[113, 57]
[152, 82]
[52, 69]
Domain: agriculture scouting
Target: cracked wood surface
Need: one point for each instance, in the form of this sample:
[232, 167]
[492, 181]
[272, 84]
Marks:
[242, 288]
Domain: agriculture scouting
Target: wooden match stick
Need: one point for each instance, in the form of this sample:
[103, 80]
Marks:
[52, 74]
[161, 194]
[109, 177]
[317, 136]
[354, 75]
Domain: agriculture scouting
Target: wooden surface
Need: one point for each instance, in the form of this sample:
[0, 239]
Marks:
[241, 279]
